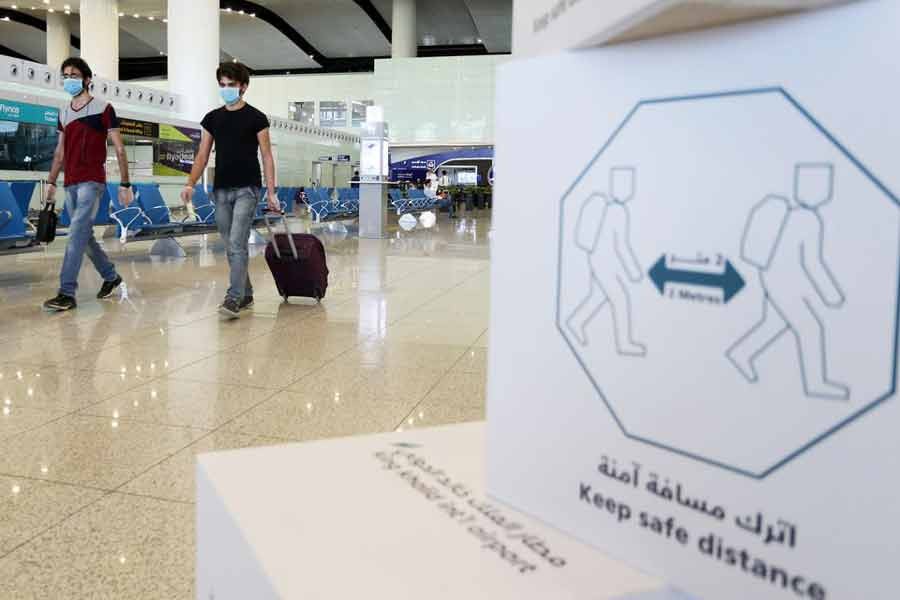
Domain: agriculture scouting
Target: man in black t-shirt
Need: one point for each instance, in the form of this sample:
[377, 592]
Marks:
[238, 131]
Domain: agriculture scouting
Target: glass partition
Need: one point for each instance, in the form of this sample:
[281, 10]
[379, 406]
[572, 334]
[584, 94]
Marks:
[332, 113]
[304, 112]
[358, 112]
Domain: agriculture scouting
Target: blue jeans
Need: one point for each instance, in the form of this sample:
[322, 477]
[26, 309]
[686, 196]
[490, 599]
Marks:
[82, 202]
[235, 209]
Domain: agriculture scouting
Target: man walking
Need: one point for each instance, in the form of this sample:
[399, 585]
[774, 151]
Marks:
[84, 125]
[239, 132]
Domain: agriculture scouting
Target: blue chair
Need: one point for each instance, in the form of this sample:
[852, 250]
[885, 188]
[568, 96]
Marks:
[151, 202]
[12, 223]
[322, 206]
[286, 196]
[129, 221]
[23, 191]
[417, 199]
[398, 202]
[204, 208]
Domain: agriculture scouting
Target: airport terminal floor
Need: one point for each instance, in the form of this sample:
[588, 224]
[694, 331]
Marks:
[105, 407]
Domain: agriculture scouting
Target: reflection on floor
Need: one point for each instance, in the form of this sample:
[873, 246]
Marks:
[104, 407]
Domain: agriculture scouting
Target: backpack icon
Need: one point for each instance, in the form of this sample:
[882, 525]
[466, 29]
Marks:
[590, 222]
[763, 231]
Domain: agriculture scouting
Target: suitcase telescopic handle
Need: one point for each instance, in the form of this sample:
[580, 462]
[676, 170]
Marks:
[287, 233]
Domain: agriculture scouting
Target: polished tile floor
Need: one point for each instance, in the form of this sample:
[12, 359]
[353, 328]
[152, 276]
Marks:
[104, 408]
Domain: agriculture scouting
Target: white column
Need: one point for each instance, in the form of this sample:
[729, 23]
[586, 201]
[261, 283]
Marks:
[100, 36]
[193, 55]
[404, 40]
[59, 36]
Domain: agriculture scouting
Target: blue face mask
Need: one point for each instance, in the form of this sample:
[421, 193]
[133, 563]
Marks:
[73, 86]
[230, 94]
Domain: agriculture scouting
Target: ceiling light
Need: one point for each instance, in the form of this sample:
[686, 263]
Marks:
[165, 20]
[5, 19]
[240, 12]
[50, 10]
[137, 16]
[121, 14]
[253, 15]
[46, 1]
[161, 53]
[152, 18]
[228, 9]
[14, 7]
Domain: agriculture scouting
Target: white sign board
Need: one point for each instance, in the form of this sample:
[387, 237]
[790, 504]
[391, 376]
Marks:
[546, 26]
[400, 516]
[709, 393]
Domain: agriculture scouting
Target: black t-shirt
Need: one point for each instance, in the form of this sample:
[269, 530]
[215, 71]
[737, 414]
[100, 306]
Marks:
[234, 132]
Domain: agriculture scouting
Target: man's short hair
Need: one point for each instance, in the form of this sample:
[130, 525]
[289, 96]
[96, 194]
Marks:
[234, 71]
[77, 63]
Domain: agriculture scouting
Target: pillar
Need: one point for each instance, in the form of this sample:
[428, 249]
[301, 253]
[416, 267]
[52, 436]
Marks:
[404, 39]
[100, 36]
[193, 55]
[59, 39]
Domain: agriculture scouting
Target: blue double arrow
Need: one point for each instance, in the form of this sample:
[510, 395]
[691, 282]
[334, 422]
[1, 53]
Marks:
[730, 281]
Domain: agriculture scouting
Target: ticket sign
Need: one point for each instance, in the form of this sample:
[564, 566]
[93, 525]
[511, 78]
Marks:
[710, 389]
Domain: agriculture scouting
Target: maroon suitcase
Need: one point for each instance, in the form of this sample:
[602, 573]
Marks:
[297, 262]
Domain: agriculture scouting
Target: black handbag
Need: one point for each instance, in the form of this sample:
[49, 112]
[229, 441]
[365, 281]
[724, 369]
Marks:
[46, 227]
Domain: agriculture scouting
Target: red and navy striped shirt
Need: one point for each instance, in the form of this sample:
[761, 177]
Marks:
[86, 130]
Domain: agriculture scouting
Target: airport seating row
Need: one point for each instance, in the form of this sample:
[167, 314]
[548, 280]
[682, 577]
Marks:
[415, 201]
[325, 205]
[148, 217]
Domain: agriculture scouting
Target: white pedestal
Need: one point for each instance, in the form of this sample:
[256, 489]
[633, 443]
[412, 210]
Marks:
[399, 516]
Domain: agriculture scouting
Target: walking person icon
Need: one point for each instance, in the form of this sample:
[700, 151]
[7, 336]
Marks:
[603, 232]
[785, 242]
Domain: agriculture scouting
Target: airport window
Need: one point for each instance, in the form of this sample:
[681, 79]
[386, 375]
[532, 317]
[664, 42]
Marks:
[26, 146]
[358, 111]
[332, 113]
[304, 112]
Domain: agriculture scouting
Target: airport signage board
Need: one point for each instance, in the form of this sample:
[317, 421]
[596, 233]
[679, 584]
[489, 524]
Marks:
[139, 128]
[548, 26]
[709, 391]
[21, 112]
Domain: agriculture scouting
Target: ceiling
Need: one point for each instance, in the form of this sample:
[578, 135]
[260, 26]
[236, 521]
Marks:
[283, 36]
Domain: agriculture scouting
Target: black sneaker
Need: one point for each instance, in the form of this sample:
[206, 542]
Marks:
[60, 303]
[230, 309]
[108, 287]
[246, 303]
